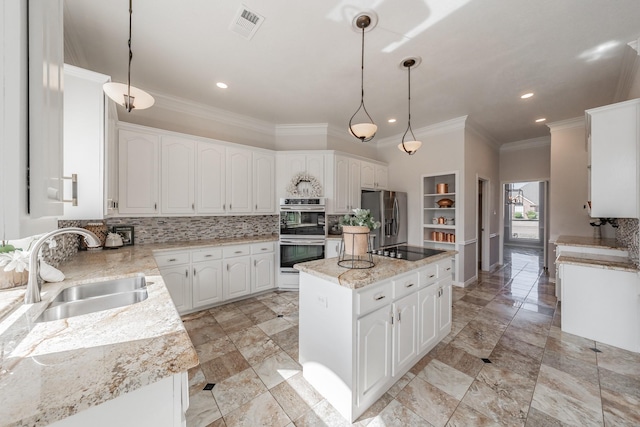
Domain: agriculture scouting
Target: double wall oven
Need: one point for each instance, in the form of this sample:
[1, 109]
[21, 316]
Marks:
[302, 236]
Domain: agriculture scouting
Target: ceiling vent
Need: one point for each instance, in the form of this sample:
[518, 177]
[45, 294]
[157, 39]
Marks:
[246, 22]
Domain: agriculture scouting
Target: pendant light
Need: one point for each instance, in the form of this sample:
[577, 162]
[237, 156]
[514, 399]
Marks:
[409, 147]
[364, 131]
[126, 95]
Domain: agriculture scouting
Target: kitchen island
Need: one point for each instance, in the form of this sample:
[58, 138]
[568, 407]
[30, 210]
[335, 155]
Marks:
[362, 329]
[124, 366]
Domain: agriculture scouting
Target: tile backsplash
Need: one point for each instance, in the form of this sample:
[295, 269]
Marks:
[628, 234]
[172, 229]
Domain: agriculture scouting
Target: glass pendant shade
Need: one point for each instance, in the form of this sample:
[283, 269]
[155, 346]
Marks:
[363, 131]
[118, 92]
[409, 147]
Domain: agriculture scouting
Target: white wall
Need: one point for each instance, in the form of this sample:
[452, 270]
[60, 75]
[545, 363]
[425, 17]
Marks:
[442, 151]
[481, 160]
[528, 160]
[14, 220]
[568, 184]
[201, 120]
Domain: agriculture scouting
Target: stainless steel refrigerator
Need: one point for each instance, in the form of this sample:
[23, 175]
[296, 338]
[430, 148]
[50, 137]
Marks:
[390, 208]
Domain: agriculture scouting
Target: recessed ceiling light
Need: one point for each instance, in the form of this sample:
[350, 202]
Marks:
[222, 85]
[527, 95]
[540, 120]
[392, 120]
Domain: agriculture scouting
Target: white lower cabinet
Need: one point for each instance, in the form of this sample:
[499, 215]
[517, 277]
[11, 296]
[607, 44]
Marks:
[163, 403]
[207, 283]
[178, 282]
[405, 333]
[374, 352]
[355, 344]
[237, 277]
[204, 277]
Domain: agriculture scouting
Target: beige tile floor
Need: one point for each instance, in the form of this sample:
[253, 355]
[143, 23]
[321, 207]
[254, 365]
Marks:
[538, 375]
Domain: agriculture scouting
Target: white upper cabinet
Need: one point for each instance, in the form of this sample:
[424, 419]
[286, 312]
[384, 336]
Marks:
[367, 175]
[346, 185]
[46, 59]
[311, 164]
[85, 144]
[264, 182]
[615, 159]
[210, 178]
[373, 176]
[381, 177]
[138, 173]
[178, 175]
[239, 194]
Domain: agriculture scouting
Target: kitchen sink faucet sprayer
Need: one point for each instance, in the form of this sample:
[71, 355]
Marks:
[34, 285]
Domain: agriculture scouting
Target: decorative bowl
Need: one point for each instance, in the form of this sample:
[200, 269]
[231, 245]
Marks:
[445, 203]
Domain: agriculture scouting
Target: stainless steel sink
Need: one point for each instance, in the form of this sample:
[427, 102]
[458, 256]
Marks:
[90, 290]
[92, 297]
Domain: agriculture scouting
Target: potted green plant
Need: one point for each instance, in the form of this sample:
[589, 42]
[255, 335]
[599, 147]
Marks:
[355, 231]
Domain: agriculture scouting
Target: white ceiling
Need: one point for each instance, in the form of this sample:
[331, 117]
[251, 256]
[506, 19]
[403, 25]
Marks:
[303, 64]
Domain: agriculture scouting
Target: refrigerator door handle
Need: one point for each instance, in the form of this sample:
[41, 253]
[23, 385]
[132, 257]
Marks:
[396, 216]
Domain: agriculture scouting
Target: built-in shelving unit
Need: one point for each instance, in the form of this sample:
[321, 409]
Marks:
[439, 224]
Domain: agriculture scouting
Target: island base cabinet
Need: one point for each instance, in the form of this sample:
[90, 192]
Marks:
[374, 354]
[356, 343]
[161, 404]
[601, 305]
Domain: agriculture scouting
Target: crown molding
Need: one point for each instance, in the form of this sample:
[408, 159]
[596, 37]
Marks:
[341, 134]
[525, 144]
[566, 124]
[302, 129]
[628, 73]
[203, 111]
[476, 128]
[447, 126]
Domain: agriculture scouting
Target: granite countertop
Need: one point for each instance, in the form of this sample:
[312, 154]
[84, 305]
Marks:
[588, 242]
[51, 370]
[608, 262]
[385, 267]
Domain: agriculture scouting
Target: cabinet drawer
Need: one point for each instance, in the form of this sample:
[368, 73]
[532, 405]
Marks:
[206, 254]
[263, 248]
[233, 251]
[172, 258]
[429, 275]
[445, 268]
[369, 299]
[405, 284]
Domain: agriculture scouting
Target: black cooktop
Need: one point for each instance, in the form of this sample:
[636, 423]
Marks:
[410, 253]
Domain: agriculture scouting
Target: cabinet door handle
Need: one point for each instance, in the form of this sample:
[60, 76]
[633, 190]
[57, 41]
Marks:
[193, 206]
[186, 273]
[208, 256]
[172, 260]
[230, 207]
[378, 298]
[255, 262]
[392, 318]
[227, 267]
[155, 206]
[432, 276]
[264, 249]
[237, 252]
[256, 207]
[448, 268]
[224, 207]
[408, 285]
[194, 272]
[399, 316]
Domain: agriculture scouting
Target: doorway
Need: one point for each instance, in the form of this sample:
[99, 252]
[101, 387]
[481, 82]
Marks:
[483, 259]
[524, 214]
